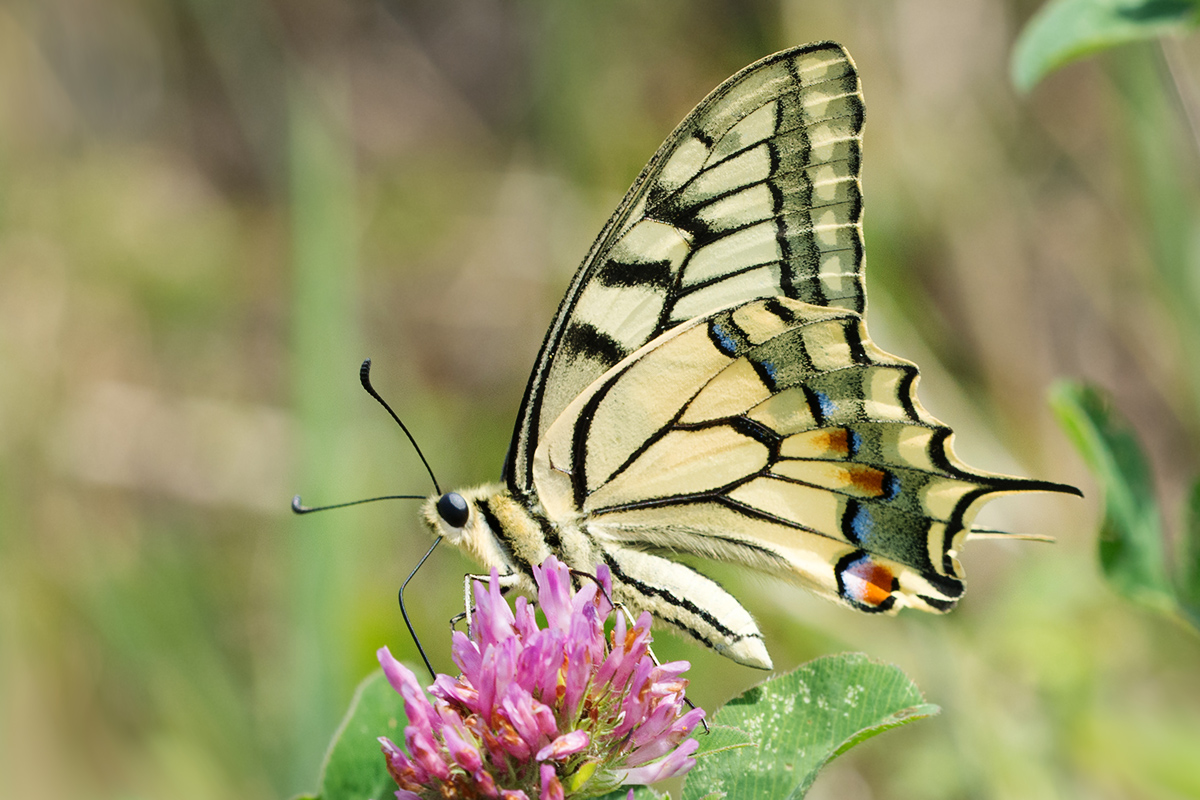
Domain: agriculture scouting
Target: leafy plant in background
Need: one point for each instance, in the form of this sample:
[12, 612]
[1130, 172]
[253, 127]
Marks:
[1065, 30]
[1133, 550]
[570, 711]
[1133, 554]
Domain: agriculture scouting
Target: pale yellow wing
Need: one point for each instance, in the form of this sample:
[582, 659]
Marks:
[777, 435]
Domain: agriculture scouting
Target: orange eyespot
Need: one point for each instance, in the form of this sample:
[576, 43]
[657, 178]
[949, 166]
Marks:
[867, 582]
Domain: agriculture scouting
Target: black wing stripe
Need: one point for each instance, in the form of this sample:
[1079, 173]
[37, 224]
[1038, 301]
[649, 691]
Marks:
[585, 340]
[658, 274]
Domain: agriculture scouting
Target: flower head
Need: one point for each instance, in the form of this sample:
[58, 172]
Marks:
[547, 713]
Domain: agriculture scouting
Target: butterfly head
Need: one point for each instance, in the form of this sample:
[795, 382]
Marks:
[462, 517]
[451, 516]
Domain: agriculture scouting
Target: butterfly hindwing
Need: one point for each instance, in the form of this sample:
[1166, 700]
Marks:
[755, 194]
[787, 441]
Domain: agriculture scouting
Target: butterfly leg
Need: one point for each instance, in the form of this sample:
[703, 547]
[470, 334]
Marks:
[578, 573]
[507, 582]
[466, 613]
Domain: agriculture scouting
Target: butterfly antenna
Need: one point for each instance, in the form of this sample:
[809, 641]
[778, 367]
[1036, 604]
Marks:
[404, 611]
[300, 508]
[364, 377]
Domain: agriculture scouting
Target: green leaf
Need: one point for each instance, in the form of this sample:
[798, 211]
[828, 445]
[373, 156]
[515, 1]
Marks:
[354, 767]
[771, 741]
[1064, 30]
[1131, 537]
[639, 793]
[1189, 560]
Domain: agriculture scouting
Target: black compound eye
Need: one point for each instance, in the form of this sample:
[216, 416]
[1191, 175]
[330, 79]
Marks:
[453, 508]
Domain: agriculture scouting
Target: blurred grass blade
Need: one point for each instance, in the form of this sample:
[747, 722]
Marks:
[324, 335]
[1131, 537]
[354, 767]
[1064, 30]
[772, 740]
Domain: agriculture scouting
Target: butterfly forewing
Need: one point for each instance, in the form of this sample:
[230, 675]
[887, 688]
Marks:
[755, 194]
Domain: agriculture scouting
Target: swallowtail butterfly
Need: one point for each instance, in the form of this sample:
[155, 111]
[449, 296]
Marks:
[708, 386]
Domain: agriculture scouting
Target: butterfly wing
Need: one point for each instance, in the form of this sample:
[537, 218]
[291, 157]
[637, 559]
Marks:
[755, 194]
[787, 441]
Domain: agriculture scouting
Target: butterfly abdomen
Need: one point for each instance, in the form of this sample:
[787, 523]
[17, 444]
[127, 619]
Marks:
[500, 531]
[689, 602]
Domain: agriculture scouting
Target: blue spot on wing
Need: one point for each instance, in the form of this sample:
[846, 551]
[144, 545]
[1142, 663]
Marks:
[853, 441]
[862, 524]
[768, 368]
[891, 487]
[827, 406]
[725, 343]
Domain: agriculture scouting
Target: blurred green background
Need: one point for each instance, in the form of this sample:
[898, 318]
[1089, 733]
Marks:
[212, 210]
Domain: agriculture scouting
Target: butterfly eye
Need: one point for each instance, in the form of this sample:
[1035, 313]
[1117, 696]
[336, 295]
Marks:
[453, 509]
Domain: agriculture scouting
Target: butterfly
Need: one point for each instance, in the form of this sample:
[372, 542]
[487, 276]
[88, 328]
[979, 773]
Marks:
[708, 387]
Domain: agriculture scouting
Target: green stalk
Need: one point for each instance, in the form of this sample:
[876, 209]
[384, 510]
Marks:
[325, 352]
